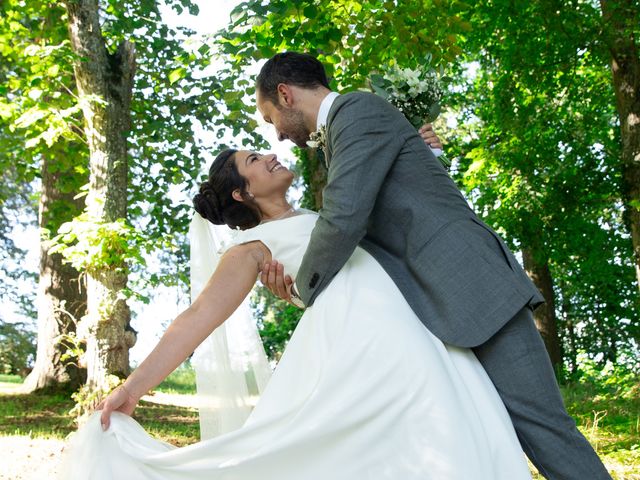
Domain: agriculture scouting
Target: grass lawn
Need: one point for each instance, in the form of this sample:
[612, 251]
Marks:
[608, 415]
[46, 416]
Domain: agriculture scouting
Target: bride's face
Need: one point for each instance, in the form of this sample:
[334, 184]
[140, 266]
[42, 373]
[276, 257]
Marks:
[265, 175]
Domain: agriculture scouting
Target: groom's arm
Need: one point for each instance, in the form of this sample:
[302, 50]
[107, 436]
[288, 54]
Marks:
[366, 136]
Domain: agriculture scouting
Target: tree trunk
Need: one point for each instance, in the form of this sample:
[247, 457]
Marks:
[314, 174]
[545, 315]
[105, 83]
[571, 353]
[622, 19]
[62, 296]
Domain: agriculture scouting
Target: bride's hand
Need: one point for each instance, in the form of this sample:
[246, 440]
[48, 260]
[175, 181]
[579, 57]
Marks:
[120, 400]
[429, 136]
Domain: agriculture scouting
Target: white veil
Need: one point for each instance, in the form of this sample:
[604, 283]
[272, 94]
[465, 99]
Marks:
[231, 366]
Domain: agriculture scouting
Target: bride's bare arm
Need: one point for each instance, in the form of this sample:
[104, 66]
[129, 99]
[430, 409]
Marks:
[226, 289]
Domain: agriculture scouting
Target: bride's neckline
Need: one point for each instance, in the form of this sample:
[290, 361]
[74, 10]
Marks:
[285, 214]
[298, 212]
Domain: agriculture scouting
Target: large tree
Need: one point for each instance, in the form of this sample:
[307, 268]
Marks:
[42, 109]
[105, 81]
[35, 114]
[621, 31]
[539, 157]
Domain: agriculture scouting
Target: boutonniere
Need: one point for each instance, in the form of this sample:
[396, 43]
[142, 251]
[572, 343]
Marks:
[318, 139]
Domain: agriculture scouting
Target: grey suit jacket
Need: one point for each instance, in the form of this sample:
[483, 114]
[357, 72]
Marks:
[389, 194]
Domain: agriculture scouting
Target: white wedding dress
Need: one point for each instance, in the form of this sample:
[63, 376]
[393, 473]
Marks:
[363, 392]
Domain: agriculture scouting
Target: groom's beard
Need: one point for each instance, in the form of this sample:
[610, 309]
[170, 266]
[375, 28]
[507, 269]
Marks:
[294, 128]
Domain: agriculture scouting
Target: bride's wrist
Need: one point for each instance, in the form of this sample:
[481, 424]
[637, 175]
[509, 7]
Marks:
[131, 391]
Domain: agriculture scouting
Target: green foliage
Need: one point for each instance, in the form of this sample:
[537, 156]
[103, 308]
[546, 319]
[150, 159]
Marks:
[181, 381]
[17, 348]
[604, 398]
[277, 320]
[40, 114]
[11, 379]
[538, 150]
[608, 379]
[345, 35]
[75, 347]
[88, 397]
[92, 245]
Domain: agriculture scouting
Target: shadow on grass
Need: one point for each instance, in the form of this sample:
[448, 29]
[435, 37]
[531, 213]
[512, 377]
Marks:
[47, 416]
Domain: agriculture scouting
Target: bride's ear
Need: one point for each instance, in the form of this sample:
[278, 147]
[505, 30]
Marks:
[237, 195]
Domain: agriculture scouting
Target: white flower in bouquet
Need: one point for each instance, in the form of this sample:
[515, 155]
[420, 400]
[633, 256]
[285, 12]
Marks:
[416, 92]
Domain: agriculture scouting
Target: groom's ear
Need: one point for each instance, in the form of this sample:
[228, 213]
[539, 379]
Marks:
[285, 95]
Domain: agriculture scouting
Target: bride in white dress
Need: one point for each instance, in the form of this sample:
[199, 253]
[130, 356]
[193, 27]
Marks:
[363, 390]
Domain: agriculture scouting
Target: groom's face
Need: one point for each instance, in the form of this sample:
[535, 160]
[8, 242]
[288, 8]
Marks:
[287, 120]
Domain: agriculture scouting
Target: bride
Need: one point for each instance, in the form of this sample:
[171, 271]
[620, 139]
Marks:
[363, 390]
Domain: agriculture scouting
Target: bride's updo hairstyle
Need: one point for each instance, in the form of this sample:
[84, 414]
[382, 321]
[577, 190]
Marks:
[214, 201]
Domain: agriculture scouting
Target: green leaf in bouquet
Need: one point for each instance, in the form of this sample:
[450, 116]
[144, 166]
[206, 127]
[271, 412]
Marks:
[446, 163]
[380, 91]
[434, 112]
[377, 79]
[416, 121]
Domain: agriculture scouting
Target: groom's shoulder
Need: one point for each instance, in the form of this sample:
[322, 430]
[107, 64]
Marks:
[361, 98]
[359, 103]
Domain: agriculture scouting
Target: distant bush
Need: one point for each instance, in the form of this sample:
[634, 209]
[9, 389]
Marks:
[17, 348]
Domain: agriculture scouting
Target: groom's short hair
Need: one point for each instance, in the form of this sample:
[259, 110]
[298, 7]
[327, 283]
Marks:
[293, 68]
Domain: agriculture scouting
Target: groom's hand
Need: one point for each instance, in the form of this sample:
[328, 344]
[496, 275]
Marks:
[429, 136]
[274, 279]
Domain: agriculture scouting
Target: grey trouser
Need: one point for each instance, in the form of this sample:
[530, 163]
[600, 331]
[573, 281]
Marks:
[517, 362]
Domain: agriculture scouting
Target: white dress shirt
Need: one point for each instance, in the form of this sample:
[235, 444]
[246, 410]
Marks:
[325, 106]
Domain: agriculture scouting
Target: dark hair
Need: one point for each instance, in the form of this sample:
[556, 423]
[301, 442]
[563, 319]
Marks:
[292, 68]
[215, 202]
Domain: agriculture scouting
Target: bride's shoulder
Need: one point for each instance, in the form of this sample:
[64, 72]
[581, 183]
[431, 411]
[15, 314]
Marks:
[254, 248]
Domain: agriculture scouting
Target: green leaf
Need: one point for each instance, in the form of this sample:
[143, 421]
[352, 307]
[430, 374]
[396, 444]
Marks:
[177, 75]
[381, 92]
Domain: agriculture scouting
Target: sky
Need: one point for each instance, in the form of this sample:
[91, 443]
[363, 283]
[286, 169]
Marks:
[151, 320]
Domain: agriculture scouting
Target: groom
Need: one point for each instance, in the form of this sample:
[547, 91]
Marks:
[388, 193]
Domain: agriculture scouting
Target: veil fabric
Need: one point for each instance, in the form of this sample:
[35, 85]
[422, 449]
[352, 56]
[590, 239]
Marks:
[231, 366]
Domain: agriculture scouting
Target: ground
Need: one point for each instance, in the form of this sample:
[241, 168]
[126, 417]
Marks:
[33, 427]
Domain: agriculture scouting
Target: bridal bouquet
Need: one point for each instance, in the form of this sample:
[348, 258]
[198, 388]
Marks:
[416, 92]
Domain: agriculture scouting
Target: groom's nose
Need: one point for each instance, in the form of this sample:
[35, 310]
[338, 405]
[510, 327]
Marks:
[281, 136]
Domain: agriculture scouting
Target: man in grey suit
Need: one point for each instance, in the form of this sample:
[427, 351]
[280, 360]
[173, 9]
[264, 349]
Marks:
[388, 193]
